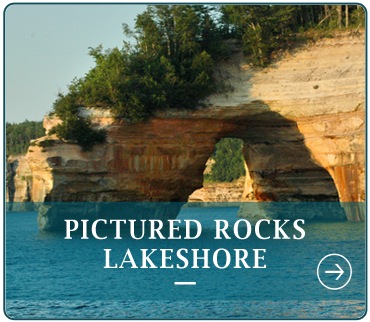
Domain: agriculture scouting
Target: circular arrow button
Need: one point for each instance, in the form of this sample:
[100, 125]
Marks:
[334, 271]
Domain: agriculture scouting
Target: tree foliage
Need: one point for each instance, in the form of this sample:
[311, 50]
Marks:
[169, 66]
[171, 63]
[264, 29]
[18, 136]
[229, 161]
[74, 126]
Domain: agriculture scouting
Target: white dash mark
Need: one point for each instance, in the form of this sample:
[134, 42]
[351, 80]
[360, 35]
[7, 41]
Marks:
[185, 283]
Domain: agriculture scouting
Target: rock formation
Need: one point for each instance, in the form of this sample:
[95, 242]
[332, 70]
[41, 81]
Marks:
[18, 184]
[302, 121]
[222, 192]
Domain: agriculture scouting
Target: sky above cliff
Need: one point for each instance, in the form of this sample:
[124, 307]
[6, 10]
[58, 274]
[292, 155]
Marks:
[46, 46]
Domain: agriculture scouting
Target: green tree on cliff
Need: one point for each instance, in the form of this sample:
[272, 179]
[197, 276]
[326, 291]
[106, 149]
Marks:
[265, 29]
[167, 67]
[171, 63]
[262, 28]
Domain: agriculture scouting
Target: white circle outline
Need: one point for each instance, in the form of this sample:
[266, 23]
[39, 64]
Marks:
[334, 288]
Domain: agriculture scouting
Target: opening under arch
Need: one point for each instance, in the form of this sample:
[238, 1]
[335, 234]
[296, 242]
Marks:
[226, 176]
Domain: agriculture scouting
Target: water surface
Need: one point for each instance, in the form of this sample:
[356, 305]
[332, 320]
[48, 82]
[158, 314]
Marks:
[48, 276]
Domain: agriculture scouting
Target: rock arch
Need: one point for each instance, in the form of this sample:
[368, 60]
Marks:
[302, 121]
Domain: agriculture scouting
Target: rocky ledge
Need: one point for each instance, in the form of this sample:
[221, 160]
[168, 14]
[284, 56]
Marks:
[302, 121]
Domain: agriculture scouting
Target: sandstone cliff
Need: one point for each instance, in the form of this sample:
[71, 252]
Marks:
[302, 122]
[222, 192]
[19, 179]
[18, 184]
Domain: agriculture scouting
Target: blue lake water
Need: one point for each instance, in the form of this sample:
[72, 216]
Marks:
[48, 276]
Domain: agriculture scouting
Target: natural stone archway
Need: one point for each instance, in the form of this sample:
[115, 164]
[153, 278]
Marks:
[146, 162]
[302, 122]
[281, 167]
[171, 167]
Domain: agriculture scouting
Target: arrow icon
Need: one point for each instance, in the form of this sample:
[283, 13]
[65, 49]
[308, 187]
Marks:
[340, 272]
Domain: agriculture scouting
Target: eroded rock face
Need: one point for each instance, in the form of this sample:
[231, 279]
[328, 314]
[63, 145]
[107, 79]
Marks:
[223, 192]
[302, 122]
[319, 95]
[19, 177]
[19, 182]
[142, 162]
[9, 181]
